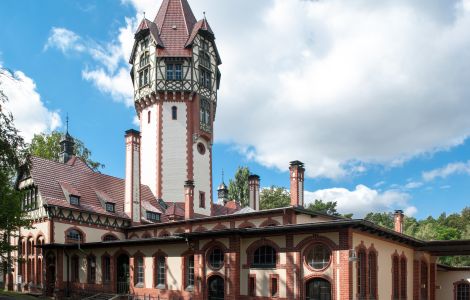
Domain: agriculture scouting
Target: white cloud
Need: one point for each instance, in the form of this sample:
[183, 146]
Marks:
[338, 85]
[24, 102]
[64, 40]
[363, 200]
[413, 185]
[447, 170]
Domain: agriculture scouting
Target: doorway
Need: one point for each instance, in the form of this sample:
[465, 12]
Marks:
[318, 289]
[216, 289]
[50, 275]
[122, 274]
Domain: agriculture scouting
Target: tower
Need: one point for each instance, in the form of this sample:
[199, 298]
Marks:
[67, 145]
[176, 77]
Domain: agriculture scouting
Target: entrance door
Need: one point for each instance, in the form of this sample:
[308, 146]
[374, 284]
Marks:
[216, 288]
[50, 275]
[318, 289]
[123, 274]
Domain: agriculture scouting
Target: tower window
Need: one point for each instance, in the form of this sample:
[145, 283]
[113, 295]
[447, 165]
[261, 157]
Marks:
[205, 115]
[202, 199]
[201, 148]
[144, 77]
[144, 44]
[144, 59]
[205, 77]
[174, 112]
[174, 72]
[149, 116]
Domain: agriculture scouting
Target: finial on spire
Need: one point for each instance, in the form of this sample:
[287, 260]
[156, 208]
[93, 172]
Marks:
[144, 14]
[67, 123]
[204, 13]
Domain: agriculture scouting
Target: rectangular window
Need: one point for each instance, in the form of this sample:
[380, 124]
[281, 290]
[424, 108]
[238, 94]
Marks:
[161, 272]
[274, 279]
[202, 199]
[91, 269]
[205, 115]
[144, 77]
[174, 72]
[205, 78]
[252, 285]
[153, 216]
[74, 200]
[110, 207]
[106, 268]
[190, 271]
[139, 270]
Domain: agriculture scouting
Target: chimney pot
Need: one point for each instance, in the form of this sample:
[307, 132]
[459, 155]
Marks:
[297, 172]
[398, 220]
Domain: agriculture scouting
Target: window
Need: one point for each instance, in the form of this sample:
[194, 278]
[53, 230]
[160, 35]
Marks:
[174, 112]
[202, 199]
[395, 278]
[205, 77]
[74, 200]
[205, 115]
[318, 257]
[144, 44]
[174, 72]
[110, 207]
[149, 117]
[372, 275]
[252, 285]
[75, 267]
[139, 271]
[403, 283]
[361, 273]
[73, 236]
[144, 77]
[216, 258]
[153, 216]
[201, 148]
[190, 271]
[109, 237]
[273, 284]
[462, 290]
[106, 268]
[161, 272]
[144, 59]
[204, 57]
[30, 200]
[264, 257]
[91, 269]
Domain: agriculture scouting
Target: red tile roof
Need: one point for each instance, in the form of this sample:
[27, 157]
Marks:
[76, 177]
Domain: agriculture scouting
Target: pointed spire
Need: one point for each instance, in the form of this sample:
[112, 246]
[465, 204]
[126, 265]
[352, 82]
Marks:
[67, 144]
[222, 191]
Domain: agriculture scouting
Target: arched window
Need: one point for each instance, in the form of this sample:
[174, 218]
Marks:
[361, 273]
[264, 257]
[189, 274]
[75, 267]
[149, 117]
[106, 266]
[462, 290]
[109, 237]
[395, 278]
[91, 264]
[139, 271]
[160, 271]
[174, 112]
[318, 288]
[216, 258]
[318, 256]
[74, 236]
[403, 283]
[372, 275]
[424, 280]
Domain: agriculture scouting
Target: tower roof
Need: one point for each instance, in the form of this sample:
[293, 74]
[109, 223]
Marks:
[175, 21]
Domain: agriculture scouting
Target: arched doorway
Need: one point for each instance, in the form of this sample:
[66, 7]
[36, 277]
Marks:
[122, 267]
[318, 289]
[50, 274]
[215, 287]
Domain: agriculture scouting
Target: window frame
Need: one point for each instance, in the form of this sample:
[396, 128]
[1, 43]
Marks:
[202, 199]
[273, 282]
[160, 260]
[106, 269]
[91, 269]
[189, 268]
[74, 200]
[69, 239]
[139, 271]
[252, 285]
[152, 216]
[210, 256]
[174, 71]
[174, 113]
[310, 250]
[361, 273]
[110, 207]
[259, 262]
[144, 77]
[461, 284]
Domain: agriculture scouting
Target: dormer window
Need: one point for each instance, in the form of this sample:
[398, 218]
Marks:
[110, 207]
[153, 216]
[74, 200]
[174, 72]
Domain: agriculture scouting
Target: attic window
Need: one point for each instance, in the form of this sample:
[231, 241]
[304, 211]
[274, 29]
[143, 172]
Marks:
[110, 207]
[153, 216]
[74, 200]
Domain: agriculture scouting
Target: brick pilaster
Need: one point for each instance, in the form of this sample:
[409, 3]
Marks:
[416, 279]
[234, 271]
[345, 279]
[291, 268]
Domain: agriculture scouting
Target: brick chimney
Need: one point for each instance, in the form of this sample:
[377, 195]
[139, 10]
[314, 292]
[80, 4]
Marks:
[132, 192]
[296, 183]
[188, 199]
[398, 220]
[253, 184]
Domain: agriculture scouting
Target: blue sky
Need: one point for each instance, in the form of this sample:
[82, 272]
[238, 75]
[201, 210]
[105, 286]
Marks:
[374, 98]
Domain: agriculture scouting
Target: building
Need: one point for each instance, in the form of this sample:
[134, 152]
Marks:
[158, 234]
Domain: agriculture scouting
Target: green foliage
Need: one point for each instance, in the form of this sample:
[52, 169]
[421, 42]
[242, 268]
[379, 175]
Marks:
[238, 187]
[325, 207]
[274, 197]
[384, 219]
[48, 146]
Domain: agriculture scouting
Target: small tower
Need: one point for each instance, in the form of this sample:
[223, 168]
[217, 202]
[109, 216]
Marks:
[66, 145]
[222, 194]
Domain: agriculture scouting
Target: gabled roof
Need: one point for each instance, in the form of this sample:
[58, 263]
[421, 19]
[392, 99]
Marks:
[75, 177]
[204, 28]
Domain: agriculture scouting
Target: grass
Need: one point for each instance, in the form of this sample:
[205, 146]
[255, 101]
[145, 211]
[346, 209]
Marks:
[15, 295]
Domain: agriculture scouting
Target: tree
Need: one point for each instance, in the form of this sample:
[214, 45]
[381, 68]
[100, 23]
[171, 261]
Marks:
[274, 197]
[384, 219]
[328, 208]
[48, 146]
[14, 160]
[238, 187]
